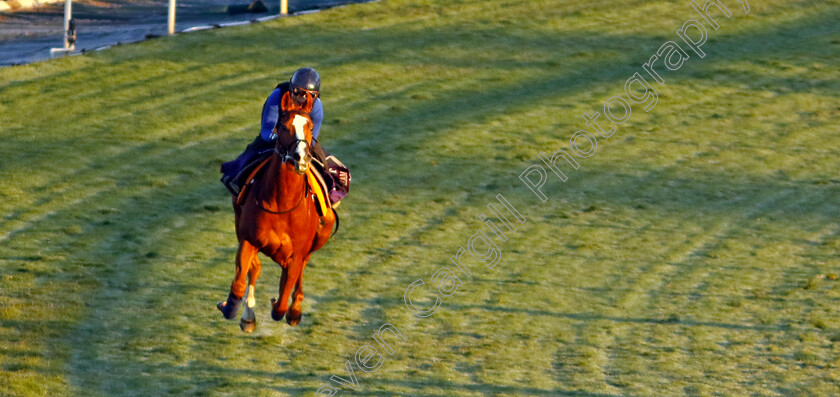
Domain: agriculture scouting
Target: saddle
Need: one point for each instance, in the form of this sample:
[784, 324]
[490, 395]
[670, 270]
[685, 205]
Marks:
[314, 182]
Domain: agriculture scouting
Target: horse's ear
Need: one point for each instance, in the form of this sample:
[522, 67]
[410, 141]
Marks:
[307, 107]
[287, 104]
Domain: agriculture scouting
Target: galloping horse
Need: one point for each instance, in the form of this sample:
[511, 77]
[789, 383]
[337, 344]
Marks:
[278, 217]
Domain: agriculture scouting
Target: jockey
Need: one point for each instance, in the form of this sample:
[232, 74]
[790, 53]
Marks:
[304, 83]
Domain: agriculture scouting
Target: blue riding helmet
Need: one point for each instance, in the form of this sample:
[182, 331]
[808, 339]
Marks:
[305, 81]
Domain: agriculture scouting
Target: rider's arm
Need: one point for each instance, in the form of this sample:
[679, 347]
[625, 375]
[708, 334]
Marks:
[270, 114]
[317, 116]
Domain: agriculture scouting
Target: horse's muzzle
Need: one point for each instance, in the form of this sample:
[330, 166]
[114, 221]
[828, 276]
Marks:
[301, 168]
[303, 164]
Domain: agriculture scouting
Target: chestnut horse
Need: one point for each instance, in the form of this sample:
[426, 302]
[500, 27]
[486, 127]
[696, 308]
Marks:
[278, 217]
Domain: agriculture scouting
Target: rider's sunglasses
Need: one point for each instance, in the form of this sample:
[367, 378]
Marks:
[300, 92]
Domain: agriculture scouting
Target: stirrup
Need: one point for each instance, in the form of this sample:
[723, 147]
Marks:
[231, 185]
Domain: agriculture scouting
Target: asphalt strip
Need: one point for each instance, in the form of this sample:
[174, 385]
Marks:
[26, 36]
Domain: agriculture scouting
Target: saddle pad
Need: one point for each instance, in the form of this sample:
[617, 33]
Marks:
[319, 188]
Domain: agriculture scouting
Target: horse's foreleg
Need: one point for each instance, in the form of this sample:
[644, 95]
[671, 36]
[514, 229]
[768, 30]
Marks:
[296, 311]
[248, 322]
[276, 315]
[287, 282]
[244, 257]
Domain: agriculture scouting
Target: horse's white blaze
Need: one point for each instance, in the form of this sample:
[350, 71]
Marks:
[299, 122]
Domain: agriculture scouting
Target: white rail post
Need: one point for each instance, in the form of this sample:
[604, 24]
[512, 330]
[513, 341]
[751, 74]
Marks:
[171, 17]
[69, 37]
[68, 15]
[284, 7]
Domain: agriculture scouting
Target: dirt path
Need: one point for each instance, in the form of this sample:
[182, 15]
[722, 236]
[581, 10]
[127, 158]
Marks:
[27, 36]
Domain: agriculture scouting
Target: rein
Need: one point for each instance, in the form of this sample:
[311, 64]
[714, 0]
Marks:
[285, 157]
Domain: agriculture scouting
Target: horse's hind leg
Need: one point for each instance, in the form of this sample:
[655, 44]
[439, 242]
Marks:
[296, 311]
[248, 322]
[244, 258]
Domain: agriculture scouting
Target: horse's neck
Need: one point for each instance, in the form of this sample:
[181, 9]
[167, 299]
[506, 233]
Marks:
[281, 183]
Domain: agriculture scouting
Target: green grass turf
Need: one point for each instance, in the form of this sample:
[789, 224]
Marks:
[692, 254]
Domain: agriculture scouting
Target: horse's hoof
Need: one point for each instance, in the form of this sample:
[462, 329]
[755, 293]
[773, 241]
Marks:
[230, 307]
[248, 325]
[274, 314]
[293, 321]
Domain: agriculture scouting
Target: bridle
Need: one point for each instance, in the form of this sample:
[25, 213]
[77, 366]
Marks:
[286, 156]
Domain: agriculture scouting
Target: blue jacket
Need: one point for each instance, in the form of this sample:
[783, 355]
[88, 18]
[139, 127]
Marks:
[271, 112]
